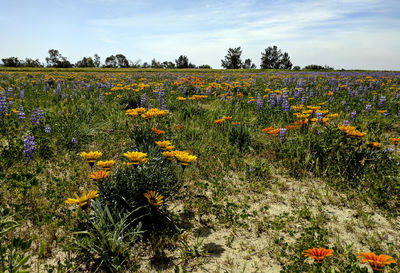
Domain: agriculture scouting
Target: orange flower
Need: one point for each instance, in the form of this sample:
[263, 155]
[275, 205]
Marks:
[318, 254]
[219, 121]
[395, 140]
[267, 129]
[274, 131]
[99, 175]
[180, 126]
[158, 132]
[301, 122]
[290, 127]
[374, 144]
[376, 262]
[226, 118]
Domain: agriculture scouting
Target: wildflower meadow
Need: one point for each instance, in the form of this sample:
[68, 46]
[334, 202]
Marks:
[199, 171]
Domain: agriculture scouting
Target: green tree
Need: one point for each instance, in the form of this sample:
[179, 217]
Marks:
[122, 61]
[168, 64]
[32, 63]
[248, 64]
[232, 59]
[111, 62]
[155, 64]
[11, 61]
[285, 62]
[55, 59]
[271, 58]
[96, 60]
[183, 62]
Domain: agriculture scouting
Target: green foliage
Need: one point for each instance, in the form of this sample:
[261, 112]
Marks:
[232, 59]
[13, 254]
[106, 244]
[239, 136]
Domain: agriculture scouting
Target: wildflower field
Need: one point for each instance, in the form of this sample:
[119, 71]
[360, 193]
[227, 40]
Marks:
[199, 171]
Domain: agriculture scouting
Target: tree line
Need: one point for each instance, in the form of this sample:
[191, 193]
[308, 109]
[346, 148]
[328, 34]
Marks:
[271, 58]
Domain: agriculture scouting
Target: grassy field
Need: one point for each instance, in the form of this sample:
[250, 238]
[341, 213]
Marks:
[198, 170]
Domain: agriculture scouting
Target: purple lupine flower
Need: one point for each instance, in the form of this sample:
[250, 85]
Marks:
[39, 116]
[22, 94]
[343, 102]
[272, 100]
[382, 101]
[21, 113]
[282, 134]
[388, 150]
[47, 129]
[3, 104]
[279, 99]
[374, 98]
[259, 102]
[319, 116]
[58, 90]
[63, 96]
[100, 98]
[353, 115]
[149, 106]
[29, 146]
[346, 123]
[143, 100]
[303, 100]
[348, 109]
[74, 141]
[367, 108]
[33, 117]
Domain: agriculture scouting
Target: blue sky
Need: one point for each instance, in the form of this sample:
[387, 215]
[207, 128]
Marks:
[349, 34]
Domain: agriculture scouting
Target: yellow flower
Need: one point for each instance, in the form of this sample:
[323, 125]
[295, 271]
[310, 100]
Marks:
[181, 98]
[297, 108]
[106, 165]
[164, 144]
[99, 175]
[376, 262]
[154, 198]
[91, 157]
[82, 201]
[136, 158]
[185, 158]
[169, 154]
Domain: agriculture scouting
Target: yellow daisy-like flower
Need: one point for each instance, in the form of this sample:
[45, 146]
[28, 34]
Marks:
[185, 158]
[99, 175]
[297, 108]
[83, 200]
[154, 198]
[136, 158]
[91, 156]
[106, 165]
[131, 112]
[181, 98]
[164, 144]
[169, 154]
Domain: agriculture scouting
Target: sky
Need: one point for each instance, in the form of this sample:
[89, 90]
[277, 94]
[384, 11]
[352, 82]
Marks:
[349, 34]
